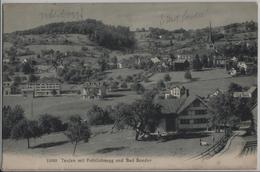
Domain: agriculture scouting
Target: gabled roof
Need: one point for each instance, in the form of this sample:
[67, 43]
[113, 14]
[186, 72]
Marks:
[189, 101]
[176, 106]
[251, 89]
[50, 80]
[170, 106]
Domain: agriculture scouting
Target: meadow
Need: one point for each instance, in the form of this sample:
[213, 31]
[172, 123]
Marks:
[105, 143]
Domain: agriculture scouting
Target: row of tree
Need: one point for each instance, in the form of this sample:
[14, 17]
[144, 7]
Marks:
[17, 126]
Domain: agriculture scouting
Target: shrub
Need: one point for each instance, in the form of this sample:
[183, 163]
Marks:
[48, 124]
[187, 75]
[167, 77]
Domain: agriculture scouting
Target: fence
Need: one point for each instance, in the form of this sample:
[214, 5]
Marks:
[216, 148]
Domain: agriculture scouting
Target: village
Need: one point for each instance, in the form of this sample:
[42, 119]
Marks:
[185, 75]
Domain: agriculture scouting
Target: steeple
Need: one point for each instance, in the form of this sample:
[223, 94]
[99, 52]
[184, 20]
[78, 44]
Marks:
[210, 43]
[210, 34]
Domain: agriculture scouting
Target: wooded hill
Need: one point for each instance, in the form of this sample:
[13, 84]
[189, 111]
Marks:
[112, 37]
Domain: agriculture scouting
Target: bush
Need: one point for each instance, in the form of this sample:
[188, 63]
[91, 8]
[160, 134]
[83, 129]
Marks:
[97, 116]
[26, 129]
[187, 75]
[10, 118]
[129, 78]
[139, 88]
[167, 77]
[48, 124]
[124, 85]
[161, 85]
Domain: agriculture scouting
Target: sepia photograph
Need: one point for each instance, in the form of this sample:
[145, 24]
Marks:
[129, 86]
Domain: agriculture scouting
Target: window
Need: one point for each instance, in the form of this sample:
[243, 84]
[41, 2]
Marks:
[200, 112]
[185, 121]
[200, 121]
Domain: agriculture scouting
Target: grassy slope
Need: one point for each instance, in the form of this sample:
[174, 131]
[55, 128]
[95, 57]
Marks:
[103, 142]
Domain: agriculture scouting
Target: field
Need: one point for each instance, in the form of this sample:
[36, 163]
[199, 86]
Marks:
[103, 142]
[123, 72]
[66, 105]
[204, 82]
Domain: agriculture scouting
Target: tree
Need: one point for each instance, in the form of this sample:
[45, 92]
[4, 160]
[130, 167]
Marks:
[54, 92]
[205, 62]
[27, 68]
[187, 75]
[223, 107]
[17, 81]
[49, 123]
[114, 60]
[26, 129]
[33, 78]
[77, 130]
[138, 87]
[102, 64]
[167, 77]
[233, 87]
[129, 78]
[119, 77]
[10, 118]
[142, 115]
[97, 116]
[161, 85]
[196, 63]
[123, 85]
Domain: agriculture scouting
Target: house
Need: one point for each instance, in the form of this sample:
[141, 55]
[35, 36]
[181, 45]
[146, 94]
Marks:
[93, 90]
[8, 86]
[215, 93]
[155, 60]
[248, 67]
[233, 72]
[219, 61]
[43, 88]
[6, 60]
[176, 92]
[185, 114]
[119, 65]
[250, 93]
[184, 57]
[181, 65]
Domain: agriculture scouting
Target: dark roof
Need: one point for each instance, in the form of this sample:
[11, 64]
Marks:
[190, 100]
[51, 80]
[170, 105]
[176, 106]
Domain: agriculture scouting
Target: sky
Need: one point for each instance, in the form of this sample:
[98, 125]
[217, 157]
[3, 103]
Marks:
[169, 16]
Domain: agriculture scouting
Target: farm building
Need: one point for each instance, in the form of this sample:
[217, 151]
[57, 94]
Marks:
[176, 92]
[42, 88]
[8, 86]
[181, 65]
[93, 90]
[184, 57]
[185, 114]
[215, 93]
[250, 93]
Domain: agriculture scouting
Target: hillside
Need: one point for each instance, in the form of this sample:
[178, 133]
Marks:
[108, 36]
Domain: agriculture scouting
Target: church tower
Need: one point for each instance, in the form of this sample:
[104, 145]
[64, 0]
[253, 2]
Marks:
[210, 42]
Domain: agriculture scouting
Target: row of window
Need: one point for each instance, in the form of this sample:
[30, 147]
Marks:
[195, 121]
[197, 112]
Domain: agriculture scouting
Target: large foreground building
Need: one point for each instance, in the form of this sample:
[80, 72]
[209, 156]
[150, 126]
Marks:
[184, 114]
